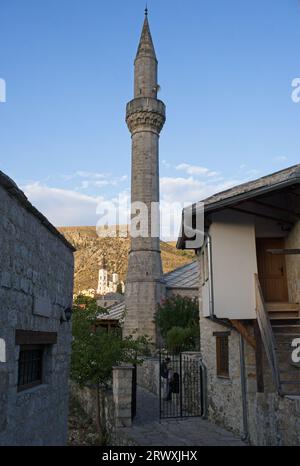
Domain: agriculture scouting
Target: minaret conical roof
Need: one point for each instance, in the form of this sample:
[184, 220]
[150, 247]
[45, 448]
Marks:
[146, 46]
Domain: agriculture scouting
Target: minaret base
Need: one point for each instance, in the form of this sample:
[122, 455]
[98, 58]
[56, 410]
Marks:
[141, 300]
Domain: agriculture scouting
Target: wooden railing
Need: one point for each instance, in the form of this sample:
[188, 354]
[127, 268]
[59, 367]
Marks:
[267, 334]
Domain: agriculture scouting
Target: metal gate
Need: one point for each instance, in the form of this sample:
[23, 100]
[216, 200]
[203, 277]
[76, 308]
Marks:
[181, 385]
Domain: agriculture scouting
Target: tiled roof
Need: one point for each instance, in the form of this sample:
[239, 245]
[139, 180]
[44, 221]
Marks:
[115, 313]
[244, 192]
[275, 180]
[186, 276]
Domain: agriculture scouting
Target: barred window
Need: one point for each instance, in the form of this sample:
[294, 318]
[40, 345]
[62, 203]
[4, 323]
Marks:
[222, 347]
[30, 366]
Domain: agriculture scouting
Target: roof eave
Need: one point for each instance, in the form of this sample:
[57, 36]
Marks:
[224, 203]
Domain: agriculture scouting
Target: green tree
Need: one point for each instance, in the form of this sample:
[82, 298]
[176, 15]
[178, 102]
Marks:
[182, 339]
[177, 318]
[95, 351]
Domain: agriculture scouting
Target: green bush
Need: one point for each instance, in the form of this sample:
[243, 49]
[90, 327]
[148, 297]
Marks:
[177, 311]
[178, 321]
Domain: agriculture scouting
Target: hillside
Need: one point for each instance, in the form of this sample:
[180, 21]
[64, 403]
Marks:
[90, 248]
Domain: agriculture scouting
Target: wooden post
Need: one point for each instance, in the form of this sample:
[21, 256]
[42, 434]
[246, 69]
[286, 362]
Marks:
[259, 359]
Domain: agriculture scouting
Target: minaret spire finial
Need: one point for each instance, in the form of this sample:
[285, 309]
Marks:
[146, 10]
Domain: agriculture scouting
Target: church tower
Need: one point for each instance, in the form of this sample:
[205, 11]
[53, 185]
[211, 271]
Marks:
[102, 278]
[145, 117]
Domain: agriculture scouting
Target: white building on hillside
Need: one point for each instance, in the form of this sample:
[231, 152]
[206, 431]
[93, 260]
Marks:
[104, 284]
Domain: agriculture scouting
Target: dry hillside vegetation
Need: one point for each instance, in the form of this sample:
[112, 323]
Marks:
[90, 248]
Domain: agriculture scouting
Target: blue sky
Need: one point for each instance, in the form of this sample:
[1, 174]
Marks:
[225, 70]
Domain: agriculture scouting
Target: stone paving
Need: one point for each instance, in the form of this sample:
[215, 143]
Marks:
[148, 431]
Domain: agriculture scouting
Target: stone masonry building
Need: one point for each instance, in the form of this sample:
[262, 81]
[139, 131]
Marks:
[249, 306]
[36, 284]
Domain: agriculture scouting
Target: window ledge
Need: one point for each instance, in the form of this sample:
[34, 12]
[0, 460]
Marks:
[224, 379]
[32, 390]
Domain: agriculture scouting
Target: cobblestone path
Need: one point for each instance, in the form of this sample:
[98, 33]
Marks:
[148, 431]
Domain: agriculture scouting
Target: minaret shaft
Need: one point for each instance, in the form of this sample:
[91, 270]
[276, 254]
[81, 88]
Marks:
[145, 117]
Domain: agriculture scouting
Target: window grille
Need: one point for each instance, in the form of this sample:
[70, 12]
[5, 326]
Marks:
[30, 366]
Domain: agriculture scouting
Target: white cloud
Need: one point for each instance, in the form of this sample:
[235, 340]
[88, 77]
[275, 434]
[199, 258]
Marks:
[85, 174]
[85, 184]
[63, 207]
[89, 180]
[190, 190]
[195, 170]
[280, 158]
[177, 193]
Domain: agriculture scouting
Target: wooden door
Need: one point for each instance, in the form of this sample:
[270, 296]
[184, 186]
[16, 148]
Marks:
[272, 270]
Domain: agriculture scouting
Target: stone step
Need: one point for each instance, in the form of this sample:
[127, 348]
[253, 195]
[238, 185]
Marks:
[290, 375]
[283, 306]
[290, 381]
[284, 344]
[279, 319]
[288, 322]
[290, 388]
[283, 326]
[288, 393]
[286, 336]
[285, 358]
[283, 315]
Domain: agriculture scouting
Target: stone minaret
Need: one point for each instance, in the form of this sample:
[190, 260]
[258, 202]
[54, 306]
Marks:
[145, 117]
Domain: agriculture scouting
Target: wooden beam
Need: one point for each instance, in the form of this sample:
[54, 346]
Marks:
[256, 214]
[259, 359]
[29, 337]
[283, 251]
[242, 329]
[295, 194]
[275, 207]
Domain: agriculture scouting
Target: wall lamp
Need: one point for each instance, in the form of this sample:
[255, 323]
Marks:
[66, 315]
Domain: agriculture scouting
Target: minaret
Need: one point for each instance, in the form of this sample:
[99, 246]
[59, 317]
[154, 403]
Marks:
[145, 117]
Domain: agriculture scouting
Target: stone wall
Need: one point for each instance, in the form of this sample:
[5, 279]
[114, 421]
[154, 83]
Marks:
[36, 283]
[276, 420]
[148, 375]
[87, 398]
[224, 396]
[293, 264]
[272, 420]
[183, 292]
[113, 434]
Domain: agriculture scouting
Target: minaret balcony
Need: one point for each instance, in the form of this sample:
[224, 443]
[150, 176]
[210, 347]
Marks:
[145, 112]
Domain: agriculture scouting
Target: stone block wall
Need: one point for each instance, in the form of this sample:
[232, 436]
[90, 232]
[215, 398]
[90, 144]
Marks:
[87, 398]
[122, 394]
[183, 292]
[114, 406]
[272, 420]
[276, 420]
[224, 396]
[36, 267]
[148, 375]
